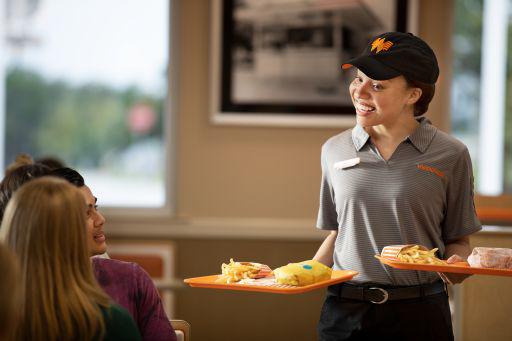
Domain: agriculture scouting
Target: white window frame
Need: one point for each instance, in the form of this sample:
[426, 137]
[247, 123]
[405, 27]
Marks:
[492, 98]
[169, 121]
[169, 129]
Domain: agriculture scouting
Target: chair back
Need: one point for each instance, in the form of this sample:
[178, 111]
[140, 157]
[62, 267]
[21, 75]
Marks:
[182, 329]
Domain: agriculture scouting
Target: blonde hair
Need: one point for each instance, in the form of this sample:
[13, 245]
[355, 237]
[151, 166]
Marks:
[10, 294]
[44, 224]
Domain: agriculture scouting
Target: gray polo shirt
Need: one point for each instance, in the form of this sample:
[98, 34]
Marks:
[422, 195]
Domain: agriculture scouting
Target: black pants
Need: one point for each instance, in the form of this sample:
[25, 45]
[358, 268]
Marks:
[424, 318]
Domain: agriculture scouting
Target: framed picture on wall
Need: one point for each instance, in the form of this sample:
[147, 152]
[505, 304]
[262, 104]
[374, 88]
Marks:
[278, 62]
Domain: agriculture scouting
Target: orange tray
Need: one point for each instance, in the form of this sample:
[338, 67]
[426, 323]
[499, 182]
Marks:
[460, 267]
[268, 285]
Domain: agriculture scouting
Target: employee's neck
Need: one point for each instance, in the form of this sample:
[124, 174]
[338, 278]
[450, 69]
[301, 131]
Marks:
[393, 132]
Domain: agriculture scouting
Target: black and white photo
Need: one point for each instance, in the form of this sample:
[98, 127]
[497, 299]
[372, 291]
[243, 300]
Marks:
[281, 59]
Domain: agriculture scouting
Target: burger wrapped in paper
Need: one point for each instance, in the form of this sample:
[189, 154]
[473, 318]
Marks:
[488, 257]
[236, 271]
[303, 273]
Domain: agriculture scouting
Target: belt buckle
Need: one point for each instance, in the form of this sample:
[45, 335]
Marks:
[384, 293]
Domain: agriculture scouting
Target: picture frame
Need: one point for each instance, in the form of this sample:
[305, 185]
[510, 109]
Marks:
[278, 62]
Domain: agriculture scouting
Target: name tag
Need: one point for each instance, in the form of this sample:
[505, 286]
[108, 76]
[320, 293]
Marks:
[347, 163]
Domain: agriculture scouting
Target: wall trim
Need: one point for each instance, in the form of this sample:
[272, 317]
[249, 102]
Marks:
[228, 228]
[496, 230]
[215, 228]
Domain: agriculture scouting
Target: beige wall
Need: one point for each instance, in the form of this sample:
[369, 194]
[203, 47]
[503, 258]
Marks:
[436, 20]
[260, 171]
[251, 173]
[236, 171]
[486, 301]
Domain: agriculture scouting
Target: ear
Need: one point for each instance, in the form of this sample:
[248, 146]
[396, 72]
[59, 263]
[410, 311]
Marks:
[414, 95]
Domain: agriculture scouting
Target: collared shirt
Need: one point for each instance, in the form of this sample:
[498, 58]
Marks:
[423, 194]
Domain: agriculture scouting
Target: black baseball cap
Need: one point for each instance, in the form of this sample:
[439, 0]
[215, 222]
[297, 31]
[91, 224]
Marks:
[392, 54]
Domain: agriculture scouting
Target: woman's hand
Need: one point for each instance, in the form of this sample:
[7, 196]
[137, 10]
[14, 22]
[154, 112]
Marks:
[457, 251]
[451, 278]
[455, 259]
[326, 250]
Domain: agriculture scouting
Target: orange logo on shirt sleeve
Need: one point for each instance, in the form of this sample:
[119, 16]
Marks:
[380, 44]
[432, 170]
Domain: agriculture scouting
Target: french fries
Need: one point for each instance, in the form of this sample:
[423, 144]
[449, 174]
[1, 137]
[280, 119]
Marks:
[415, 255]
[236, 271]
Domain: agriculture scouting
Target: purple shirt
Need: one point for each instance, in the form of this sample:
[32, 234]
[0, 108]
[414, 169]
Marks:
[131, 287]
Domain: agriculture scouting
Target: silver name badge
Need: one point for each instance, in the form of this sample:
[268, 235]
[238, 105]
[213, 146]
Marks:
[347, 163]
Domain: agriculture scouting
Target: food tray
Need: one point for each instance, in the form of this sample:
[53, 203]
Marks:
[268, 284]
[460, 267]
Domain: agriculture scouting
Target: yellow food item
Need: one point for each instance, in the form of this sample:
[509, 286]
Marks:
[415, 255]
[303, 273]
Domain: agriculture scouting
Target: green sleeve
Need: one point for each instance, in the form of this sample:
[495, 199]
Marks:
[119, 325]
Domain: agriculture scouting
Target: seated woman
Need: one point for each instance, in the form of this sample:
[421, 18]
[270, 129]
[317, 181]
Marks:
[126, 283]
[10, 294]
[44, 224]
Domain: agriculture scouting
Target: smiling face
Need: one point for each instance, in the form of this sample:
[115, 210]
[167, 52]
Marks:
[382, 102]
[95, 235]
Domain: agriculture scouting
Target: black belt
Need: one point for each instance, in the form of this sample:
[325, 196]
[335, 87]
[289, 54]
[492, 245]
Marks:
[379, 294]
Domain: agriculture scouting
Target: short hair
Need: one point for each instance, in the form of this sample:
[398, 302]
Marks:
[51, 161]
[17, 177]
[427, 93]
[70, 175]
[44, 224]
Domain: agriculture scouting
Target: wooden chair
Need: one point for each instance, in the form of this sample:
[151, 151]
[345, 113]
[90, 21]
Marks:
[182, 329]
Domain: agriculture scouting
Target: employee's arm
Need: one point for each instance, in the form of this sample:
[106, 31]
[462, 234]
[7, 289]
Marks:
[326, 250]
[457, 251]
[458, 247]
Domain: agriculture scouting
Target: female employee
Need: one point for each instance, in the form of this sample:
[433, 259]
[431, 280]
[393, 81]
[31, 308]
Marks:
[392, 179]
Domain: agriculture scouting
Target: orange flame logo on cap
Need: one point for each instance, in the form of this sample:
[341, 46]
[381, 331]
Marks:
[380, 44]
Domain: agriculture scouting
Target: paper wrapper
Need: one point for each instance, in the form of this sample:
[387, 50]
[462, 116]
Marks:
[264, 270]
[487, 257]
[392, 251]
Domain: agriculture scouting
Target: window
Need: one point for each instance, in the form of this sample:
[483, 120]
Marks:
[482, 90]
[86, 81]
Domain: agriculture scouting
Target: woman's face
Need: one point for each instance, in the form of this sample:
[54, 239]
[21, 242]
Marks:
[95, 235]
[382, 102]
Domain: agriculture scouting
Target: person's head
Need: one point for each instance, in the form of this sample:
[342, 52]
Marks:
[17, 177]
[20, 160]
[51, 162]
[402, 64]
[95, 220]
[44, 224]
[10, 294]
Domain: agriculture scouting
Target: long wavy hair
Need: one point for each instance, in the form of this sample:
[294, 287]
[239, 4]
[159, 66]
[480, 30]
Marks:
[10, 294]
[44, 224]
